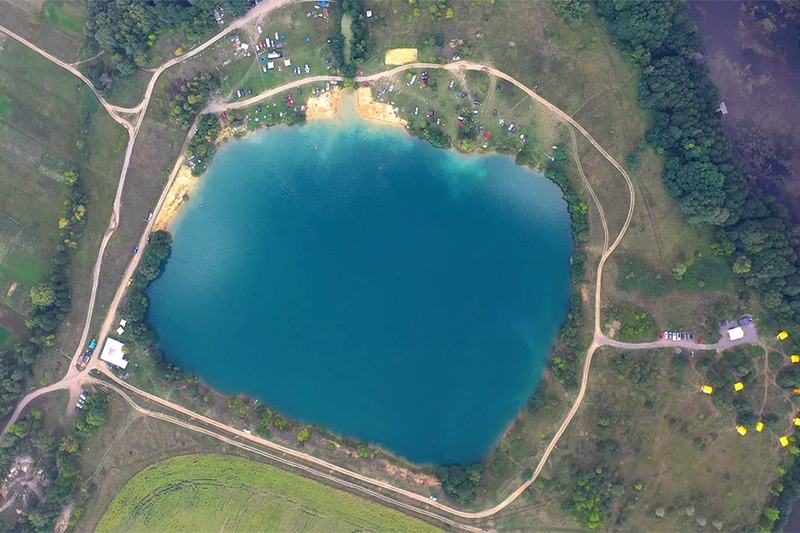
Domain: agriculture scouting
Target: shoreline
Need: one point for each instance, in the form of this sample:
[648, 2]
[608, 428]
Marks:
[325, 106]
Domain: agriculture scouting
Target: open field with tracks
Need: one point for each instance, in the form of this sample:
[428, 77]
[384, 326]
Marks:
[49, 124]
[214, 492]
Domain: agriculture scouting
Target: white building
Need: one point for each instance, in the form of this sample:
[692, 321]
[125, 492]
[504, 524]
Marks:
[112, 353]
[736, 333]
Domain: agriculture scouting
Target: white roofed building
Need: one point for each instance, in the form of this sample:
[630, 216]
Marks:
[112, 353]
[736, 333]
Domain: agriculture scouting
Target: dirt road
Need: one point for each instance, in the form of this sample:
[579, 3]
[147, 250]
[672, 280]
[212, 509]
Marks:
[72, 376]
[322, 468]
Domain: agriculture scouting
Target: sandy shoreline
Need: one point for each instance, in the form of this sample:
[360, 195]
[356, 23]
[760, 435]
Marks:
[325, 106]
[182, 185]
[369, 109]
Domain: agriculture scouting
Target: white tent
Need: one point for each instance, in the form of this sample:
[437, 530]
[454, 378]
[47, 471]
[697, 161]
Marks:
[736, 333]
[112, 353]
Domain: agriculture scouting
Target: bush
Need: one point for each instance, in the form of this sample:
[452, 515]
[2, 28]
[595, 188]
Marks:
[460, 481]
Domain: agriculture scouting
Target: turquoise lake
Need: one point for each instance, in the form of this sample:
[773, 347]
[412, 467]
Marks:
[352, 276]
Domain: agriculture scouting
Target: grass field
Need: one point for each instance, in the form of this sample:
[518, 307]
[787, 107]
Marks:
[54, 25]
[44, 112]
[674, 441]
[213, 492]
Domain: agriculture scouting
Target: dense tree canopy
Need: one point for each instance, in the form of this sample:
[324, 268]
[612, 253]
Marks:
[460, 481]
[128, 29]
[701, 173]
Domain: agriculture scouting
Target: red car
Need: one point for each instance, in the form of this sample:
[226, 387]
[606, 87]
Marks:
[661, 335]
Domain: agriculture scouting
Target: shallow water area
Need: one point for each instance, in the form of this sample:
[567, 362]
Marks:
[349, 275]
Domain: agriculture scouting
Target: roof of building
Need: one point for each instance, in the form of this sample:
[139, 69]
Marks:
[112, 353]
[736, 333]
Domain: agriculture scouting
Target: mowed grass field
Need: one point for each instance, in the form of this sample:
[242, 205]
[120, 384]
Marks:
[211, 492]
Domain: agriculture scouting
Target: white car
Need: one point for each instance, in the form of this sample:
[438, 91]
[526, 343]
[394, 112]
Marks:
[248, 431]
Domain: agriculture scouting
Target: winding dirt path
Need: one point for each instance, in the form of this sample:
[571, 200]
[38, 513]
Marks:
[73, 377]
[424, 505]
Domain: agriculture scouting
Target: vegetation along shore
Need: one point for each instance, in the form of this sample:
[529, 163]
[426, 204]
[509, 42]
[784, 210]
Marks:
[654, 412]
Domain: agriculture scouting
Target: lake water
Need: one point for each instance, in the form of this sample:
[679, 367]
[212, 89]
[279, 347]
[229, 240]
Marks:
[351, 276]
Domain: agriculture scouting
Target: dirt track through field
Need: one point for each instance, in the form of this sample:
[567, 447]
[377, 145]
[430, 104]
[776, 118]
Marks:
[74, 379]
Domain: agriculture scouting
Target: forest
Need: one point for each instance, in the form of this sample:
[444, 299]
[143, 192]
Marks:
[359, 44]
[753, 231]
[128, 29]
[55, 453]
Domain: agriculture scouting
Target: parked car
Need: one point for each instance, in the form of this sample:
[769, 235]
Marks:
[248, 431]
[135, 250]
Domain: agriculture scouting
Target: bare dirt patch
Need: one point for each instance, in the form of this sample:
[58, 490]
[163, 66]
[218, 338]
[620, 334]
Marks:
[401, 56]
[414, 478]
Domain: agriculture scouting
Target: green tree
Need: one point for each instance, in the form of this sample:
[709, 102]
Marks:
[43, 295]
[572, 10]
[742, 265]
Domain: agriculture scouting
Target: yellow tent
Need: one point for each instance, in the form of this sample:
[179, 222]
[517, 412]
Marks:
[782, 336]
[738, 386]
[797, 421]
[742, 430]
[760, 427]
[795, 358]
[784, 441]
[708, 389]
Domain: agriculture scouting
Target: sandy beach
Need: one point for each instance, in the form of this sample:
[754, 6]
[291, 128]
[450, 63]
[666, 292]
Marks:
[325, 105]
[372, 110]
[183, 184]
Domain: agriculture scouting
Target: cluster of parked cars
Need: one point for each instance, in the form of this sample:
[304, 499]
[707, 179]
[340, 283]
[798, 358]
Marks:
[676, 335]
[81, 401]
